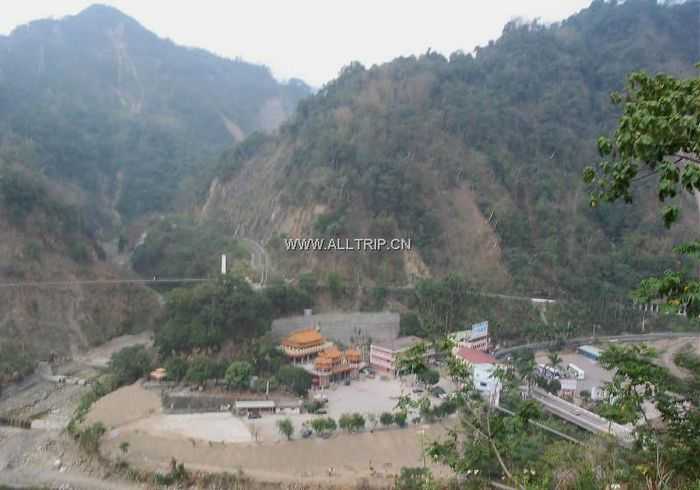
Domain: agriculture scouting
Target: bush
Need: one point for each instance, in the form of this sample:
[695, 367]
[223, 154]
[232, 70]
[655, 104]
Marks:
[313, 406]
[429, 376]
[201, 370]
[414, 479]
[176, 368]
[345, 422]
[89, 438]
[295, 379]
[130, 364]
[386, 419]
[447, 407]
[14, 363]
[238, 375]
[286, 427]
[357, 422]
[323, 425]
[177, 474]
[400, 418]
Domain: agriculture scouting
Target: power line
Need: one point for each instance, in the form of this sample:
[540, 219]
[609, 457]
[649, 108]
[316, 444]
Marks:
[103, 281]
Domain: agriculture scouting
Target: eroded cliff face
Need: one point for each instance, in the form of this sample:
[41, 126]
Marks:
[64, 318]
[265, 200]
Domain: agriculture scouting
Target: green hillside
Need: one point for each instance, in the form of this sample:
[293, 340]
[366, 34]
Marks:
[477, 158]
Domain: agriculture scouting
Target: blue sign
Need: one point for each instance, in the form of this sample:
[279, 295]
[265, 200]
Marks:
[480, 330]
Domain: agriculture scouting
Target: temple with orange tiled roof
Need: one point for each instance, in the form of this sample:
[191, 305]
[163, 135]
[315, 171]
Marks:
[333, 365]
[303, 345]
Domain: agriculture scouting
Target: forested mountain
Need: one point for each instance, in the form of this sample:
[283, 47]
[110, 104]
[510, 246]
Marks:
[102, 125]
[477, 158]
[124, 114]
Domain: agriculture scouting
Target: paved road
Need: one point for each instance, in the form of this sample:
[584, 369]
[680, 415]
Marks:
[583, 418]
[647, 337]
[259, 259]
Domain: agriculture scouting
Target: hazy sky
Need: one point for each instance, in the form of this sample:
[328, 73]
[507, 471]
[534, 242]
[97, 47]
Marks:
[313, 39]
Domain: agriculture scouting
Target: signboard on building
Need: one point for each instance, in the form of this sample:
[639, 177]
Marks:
[480, 330]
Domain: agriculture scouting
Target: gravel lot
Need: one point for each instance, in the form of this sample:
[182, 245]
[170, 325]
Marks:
[365, 396]
[214, 427]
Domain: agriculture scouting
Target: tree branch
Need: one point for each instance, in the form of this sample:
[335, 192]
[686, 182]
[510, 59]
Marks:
[637, 179]
[684, 157]
[495, 449]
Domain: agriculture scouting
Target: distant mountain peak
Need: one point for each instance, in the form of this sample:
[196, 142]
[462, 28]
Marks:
[104, 15]
[101, 10]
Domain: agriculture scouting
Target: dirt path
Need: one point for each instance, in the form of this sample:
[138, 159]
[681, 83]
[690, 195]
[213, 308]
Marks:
[670, 348]
[99, 357]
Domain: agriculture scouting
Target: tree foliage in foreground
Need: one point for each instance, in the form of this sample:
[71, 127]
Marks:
[667, 448]
[658, 137]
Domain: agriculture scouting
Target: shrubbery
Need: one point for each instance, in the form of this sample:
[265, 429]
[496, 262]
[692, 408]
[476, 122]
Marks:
[130, 364]
[295, 379]
[324, 425]
[352, 422]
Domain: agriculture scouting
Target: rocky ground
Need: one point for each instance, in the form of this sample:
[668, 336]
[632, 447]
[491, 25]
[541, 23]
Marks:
[45, 455]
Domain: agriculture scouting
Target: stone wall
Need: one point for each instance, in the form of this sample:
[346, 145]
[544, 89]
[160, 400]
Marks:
[347, 328]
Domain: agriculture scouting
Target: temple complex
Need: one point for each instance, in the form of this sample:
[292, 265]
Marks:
[321, 358]
[304, 345]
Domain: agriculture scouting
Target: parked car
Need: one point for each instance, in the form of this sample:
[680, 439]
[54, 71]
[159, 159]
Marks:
[254, 415]
[418, 390]
[306, 433]
[347, 382]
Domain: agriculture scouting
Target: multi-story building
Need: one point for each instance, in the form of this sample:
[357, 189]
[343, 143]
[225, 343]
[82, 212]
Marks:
[320, 357]
[332, 365]
[483, 367]
[476, 338]
[383, 355]
[304, 345]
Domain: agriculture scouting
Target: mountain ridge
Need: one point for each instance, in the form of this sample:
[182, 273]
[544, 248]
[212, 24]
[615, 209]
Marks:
[409, 147]
[104, 127]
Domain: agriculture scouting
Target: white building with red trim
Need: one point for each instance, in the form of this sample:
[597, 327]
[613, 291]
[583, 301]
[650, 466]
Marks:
[482, 367]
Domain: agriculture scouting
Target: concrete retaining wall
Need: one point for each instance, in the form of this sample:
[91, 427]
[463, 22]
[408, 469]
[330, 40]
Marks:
[348, 328]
